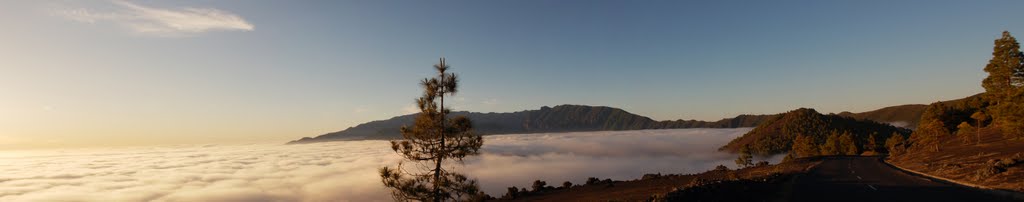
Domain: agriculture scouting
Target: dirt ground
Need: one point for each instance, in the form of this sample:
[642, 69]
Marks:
[972, 163]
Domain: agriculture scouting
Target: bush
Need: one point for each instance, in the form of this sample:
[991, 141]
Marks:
[539, 185]
[593, 180]
[567, 184]
[762, 163]
[650, 176]
[721, 168]
[512, 193]
[985, 172]
[1006, 162]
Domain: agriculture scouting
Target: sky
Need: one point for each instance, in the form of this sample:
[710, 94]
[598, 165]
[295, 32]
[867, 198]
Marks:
[125, 73]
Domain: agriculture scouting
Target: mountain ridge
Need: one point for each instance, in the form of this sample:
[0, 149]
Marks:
[580, 118]
[561, 118]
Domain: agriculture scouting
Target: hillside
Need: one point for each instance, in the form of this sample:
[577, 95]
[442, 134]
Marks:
[776, 134]
[906, 116]
[562, 118]
[987, 156]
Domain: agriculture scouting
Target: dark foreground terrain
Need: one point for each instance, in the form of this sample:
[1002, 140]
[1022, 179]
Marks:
[869, 179]
[848, 178]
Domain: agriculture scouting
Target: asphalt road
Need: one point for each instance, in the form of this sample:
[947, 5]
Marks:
[868, 179]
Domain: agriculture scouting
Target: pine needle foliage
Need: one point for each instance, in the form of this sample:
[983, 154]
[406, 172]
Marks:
[429, 142]
[1004, 86]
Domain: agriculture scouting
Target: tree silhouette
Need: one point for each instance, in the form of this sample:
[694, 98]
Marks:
[428, 142]
[745, 159]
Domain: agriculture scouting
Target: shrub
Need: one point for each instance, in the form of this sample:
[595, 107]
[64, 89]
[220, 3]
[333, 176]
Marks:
[539, 185]
[566, 184]
[985, 172]
[512, 193]
[650, 176]
[593, 180]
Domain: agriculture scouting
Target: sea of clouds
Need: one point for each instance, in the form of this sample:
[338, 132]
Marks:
[345, 171]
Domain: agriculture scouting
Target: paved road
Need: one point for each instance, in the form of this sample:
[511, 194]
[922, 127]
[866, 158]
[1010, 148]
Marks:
[868, 179]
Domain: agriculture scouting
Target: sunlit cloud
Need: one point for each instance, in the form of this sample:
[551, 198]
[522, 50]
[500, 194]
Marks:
[160, 21]
[344, 171]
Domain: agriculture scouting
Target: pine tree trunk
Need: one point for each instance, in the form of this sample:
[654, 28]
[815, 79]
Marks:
[978, 135]
[440, 155]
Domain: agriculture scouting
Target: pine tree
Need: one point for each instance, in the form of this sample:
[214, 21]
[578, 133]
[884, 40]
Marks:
[433, 138]
[831, 146]
[872, 144]
[930, 133]
[1003, 86]
[980, 117]
[848, 144]
[895, 144]
[804, 146]
[965, 132]
[745, 159]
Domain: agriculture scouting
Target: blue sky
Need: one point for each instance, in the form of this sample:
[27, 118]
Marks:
[157, 72]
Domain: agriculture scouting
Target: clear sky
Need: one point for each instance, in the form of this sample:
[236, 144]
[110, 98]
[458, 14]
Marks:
[116, 73]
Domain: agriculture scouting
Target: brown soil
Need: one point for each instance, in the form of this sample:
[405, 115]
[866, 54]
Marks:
[971, 163]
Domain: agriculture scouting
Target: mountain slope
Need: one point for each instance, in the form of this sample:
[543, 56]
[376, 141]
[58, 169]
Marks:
[906, 116]
[776, 134]
[562, 118]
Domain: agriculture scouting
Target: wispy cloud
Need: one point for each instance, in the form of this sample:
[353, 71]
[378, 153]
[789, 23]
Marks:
[160, 21]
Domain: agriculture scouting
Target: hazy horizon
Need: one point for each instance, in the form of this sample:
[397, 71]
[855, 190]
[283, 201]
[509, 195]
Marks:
[135, 73]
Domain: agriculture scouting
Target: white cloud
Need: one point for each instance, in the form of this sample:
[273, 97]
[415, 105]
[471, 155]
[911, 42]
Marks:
[161, 21]
[344, 171]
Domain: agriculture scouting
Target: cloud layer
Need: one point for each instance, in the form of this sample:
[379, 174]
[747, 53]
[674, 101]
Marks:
[343, 170]
[160, 21]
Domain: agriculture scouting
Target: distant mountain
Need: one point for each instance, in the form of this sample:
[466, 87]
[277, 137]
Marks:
[562, 118]
[776, 134]
[906, 116]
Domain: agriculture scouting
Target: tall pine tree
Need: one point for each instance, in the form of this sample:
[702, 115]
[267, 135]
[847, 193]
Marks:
[1003, 86]
[432, 139]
